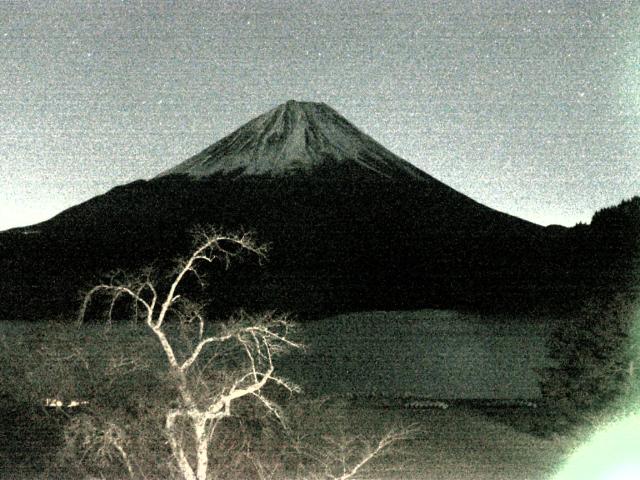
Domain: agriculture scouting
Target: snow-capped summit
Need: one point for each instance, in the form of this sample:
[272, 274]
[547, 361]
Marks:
[296, 137]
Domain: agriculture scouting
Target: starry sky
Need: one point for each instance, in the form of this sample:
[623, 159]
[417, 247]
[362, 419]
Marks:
[530, 107]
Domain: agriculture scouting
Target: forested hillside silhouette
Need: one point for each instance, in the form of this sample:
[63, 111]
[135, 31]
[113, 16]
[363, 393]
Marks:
[339, 241]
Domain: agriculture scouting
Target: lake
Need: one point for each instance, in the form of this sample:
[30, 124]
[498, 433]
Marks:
[423, 354]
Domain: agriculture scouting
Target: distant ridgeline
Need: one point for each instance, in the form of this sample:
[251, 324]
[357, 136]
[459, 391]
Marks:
[334, 246]
[350, 226]
[607, 252]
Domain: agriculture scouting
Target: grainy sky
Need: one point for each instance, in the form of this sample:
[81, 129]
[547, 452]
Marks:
[530, 107]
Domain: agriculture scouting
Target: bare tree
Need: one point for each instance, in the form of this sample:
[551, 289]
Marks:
[190, 354]
[259, 341]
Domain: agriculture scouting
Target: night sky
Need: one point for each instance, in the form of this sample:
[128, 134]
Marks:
[530, 107]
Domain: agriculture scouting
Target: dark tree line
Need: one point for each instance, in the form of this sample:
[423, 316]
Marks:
[595, 348]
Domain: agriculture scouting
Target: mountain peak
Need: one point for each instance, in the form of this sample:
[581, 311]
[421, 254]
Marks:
[298, 106]
[291, 103]
[296, 137]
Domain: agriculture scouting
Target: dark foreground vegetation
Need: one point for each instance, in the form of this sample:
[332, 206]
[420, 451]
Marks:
[120, 369]
[115, 367]
[461, 442]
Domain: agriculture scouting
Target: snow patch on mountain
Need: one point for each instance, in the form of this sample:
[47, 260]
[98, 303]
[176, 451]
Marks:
[296, 137]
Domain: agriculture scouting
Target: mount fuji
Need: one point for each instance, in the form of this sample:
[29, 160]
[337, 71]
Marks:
[350, 225]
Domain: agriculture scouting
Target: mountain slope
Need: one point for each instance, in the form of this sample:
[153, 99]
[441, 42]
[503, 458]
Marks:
[294, 138]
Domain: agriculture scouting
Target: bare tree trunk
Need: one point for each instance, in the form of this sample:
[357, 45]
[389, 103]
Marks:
[176, 448]
[202, 446]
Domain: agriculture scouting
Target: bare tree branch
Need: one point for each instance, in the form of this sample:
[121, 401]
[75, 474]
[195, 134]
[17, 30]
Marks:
[193, 359]
[387, 440]
[196, 351]
[258, 342]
